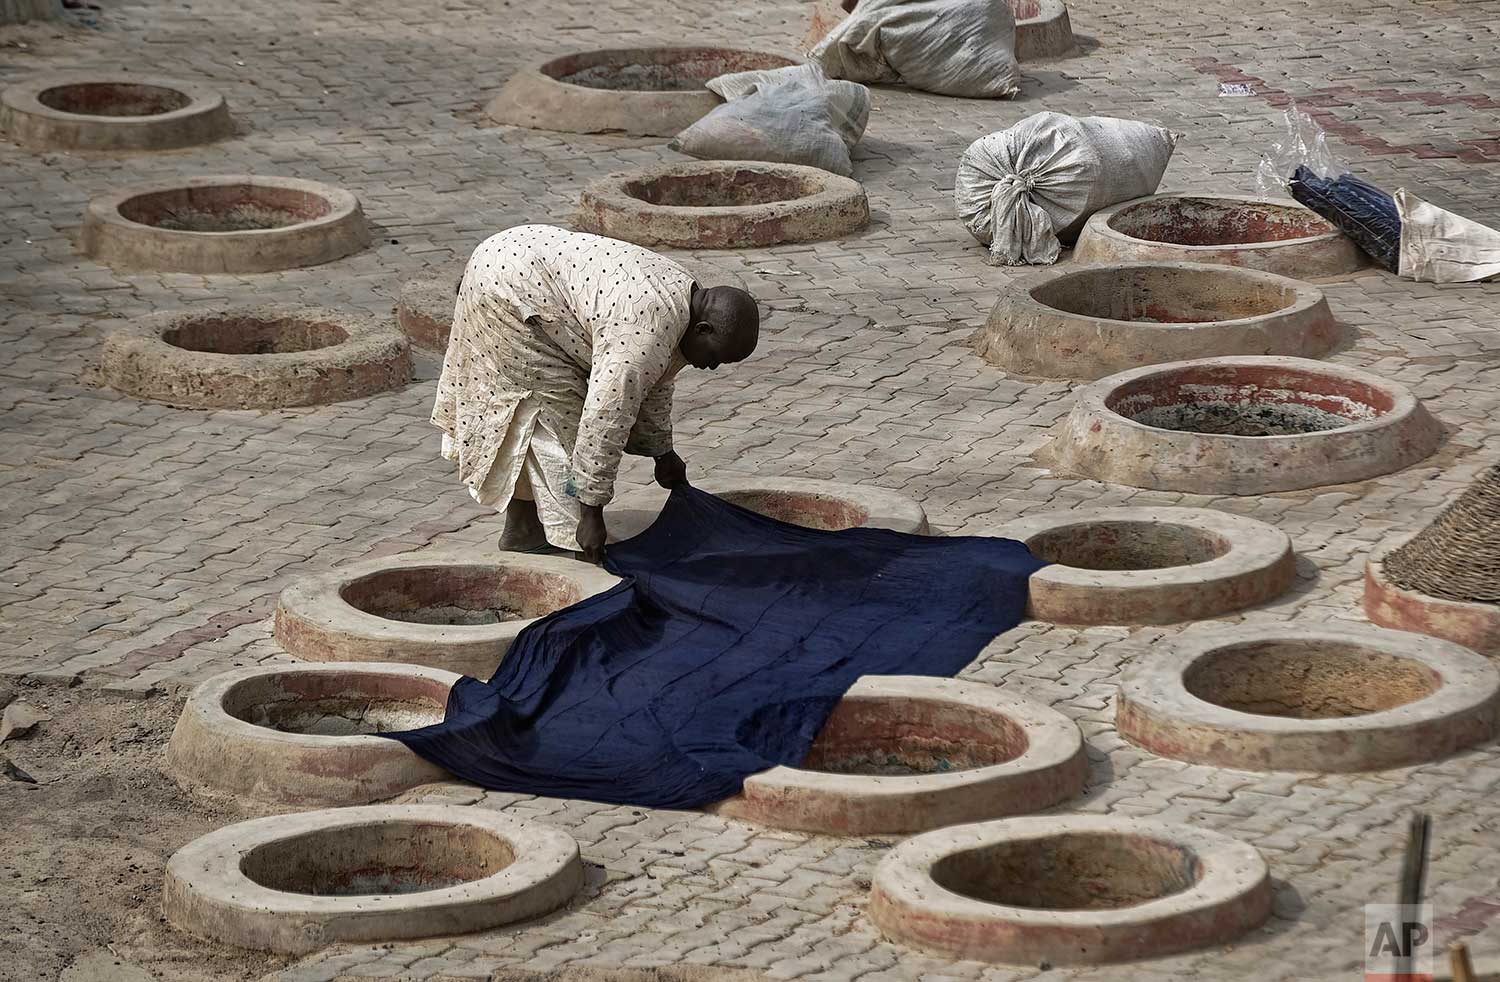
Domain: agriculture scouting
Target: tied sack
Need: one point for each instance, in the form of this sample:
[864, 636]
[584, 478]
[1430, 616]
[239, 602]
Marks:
[952, 47]
[793, 115]
[1025, 190]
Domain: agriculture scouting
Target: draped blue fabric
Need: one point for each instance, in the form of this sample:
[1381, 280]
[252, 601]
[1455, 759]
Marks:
[721, 654]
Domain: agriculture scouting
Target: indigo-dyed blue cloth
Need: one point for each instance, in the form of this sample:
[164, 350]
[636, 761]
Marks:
[721, 654]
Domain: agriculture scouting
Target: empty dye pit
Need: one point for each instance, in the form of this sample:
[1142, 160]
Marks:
[824, 505]
[447, 611]
[1070, 872]
[113, 99]
[1275, 237]
[904, 754]
[308, 734]
[1115, 546]
[1308, 699]
[737, 188]
[1296, 679]
[722, 204]
[296, 883]
[1150, 565]
[461, 595]
[225, 225]
[409, 857]
[633, 91]
[1068, 890]
[425, 309]
[73, 112]
[1091, 321]
[1243, 425]
[255, 357]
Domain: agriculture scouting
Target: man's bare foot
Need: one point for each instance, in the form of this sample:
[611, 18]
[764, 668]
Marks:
[523, 528]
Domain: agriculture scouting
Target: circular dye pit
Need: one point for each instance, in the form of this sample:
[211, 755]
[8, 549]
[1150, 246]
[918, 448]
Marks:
[69, 112]
[1309, 699]
[1068, 890]
[1042, 26]
[1150, 565]
[904, 754]
[1473, 624]
[307, 734]
[1091, 321]
[1271, 236]
[444, 611]
[1244, 425]
[722, 204]
[297, 883]
[255, 357]
[225, 225]
[632, 91]
[823, 505]
[425, 311]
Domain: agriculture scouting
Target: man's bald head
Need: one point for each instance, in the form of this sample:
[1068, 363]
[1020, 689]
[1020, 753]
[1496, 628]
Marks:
[723, 326]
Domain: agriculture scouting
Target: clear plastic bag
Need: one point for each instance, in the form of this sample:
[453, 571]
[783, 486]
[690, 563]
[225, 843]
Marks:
[1302, 144]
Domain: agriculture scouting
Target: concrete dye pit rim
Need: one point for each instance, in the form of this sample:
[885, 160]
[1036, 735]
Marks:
[424, 311]
[1158, 710]
[1474, 625]
[95, 112]
[229, 224]
[825, 206]
[829, 505]
[548, 95]
[821, 205]
[1237, 562]
[224, 885]
[1220, 889]
[316, 621]
[1281, 236]
[1088, 321]
[238, 733]
[1390, 428]
[1026, 757]
[265, 357]
[1043, 29]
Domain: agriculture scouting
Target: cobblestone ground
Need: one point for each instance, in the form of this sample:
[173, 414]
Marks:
[143, 546]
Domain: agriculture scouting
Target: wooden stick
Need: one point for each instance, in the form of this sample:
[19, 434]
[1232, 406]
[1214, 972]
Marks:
[1459, 965]
[1414, 868]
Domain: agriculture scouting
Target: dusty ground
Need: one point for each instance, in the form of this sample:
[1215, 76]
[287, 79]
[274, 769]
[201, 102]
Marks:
[86, 844]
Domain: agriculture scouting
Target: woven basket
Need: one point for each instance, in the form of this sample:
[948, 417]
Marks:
[1457, 557]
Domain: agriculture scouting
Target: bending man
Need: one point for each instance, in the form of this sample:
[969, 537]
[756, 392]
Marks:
[561, 359]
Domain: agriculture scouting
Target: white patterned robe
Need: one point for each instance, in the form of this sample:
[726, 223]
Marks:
[561, 359]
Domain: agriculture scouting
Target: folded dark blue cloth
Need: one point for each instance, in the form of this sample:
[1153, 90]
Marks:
[722, 653]
[1360, 210]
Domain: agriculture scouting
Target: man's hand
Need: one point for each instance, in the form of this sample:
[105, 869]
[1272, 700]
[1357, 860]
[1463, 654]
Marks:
[670, 470]
[591, 533]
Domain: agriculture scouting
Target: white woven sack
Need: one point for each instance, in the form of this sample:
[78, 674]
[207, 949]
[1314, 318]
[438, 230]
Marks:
[848, 102]
[789, 122]
[1025, 190]
[953, 47]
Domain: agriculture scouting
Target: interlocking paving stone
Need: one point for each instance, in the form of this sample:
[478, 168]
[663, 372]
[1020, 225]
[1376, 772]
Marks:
[142, 547]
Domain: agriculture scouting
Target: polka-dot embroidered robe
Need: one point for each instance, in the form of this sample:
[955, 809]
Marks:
[575, 333]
